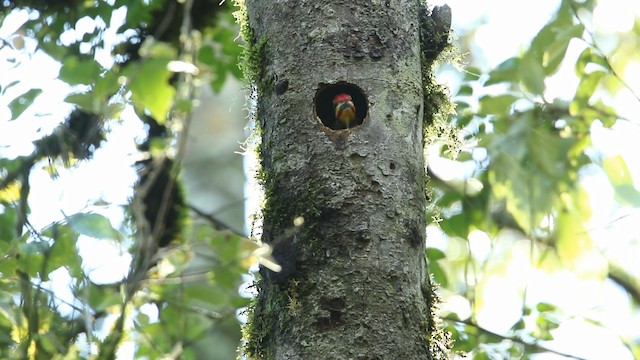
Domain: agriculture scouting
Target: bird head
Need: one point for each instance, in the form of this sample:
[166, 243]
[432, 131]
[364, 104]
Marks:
[345, 110]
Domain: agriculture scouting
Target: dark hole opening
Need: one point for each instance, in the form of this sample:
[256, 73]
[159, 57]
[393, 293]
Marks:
[324, 108]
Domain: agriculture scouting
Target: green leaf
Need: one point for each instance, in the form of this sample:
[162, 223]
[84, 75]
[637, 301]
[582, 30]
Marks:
[518, 181]
[75, 71]
[434, 254]
[472, 73]
[507, 71]
[549, 152]
[550, 45]
[544, 327]
[105, 86]
[9, 86]
[83, 100]
[465, 90]
[574, 245]
[63, 251]
[457, 225]
[9, 264]
[481, 355]
[22, 102]
[149, 83]
[589, 57]
[439, 275]
[158, 50]
[207, 293]
[543, 306]
[206, 55]
[606, 114]
[620, 177]
[519, 325]
[218, 76]
[587, 86]
[101, 297]
[8, 219]
[51, 48]
[555, 53]
[31, 257]
[496, 105]
[532, 73]
[93, 225]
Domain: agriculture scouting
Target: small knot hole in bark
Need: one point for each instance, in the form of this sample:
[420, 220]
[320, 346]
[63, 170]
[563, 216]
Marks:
[325, 110]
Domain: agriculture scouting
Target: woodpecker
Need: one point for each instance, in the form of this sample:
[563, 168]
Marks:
[344, 109]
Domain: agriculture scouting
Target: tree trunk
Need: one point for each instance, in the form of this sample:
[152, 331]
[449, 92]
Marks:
[354, 283]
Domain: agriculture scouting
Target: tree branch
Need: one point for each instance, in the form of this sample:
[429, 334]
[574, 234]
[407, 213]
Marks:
[217, 223]
[533, 347]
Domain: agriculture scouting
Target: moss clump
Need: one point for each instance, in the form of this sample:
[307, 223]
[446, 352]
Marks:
[436, 46]
[267, 314]
[438, 339]
[252, 61]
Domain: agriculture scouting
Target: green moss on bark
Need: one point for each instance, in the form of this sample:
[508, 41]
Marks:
[436, 46]
[254, 51]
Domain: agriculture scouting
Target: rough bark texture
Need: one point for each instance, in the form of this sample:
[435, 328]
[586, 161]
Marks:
[354, 283]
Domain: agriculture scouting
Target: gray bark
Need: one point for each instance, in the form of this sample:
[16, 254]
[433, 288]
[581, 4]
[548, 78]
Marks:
[354, 283]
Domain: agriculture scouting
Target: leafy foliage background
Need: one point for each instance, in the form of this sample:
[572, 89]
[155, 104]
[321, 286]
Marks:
[516, 217]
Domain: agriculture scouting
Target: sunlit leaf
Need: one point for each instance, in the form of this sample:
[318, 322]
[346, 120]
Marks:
[587, 86]
[22, 102]
[8, 86]
[573, 242]
[516, 171]
[589, 57]
[549, 151]
[555, 52]
[620, 177]
[79, 71]
[544, 325]
[83, 100]
[105, 86]
[519, 325]
[63, 251]
[48, 343]
[93, 225]
[605, 113]
[532, 73]
[151, 89]
[31, 257]
[544, 306]
[10, 193]
[507, 71]
[550, 44]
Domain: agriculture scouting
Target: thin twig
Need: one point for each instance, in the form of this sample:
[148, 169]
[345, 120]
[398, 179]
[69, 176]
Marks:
[528, 345]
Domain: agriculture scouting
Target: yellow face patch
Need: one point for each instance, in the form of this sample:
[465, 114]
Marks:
[345, 113]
